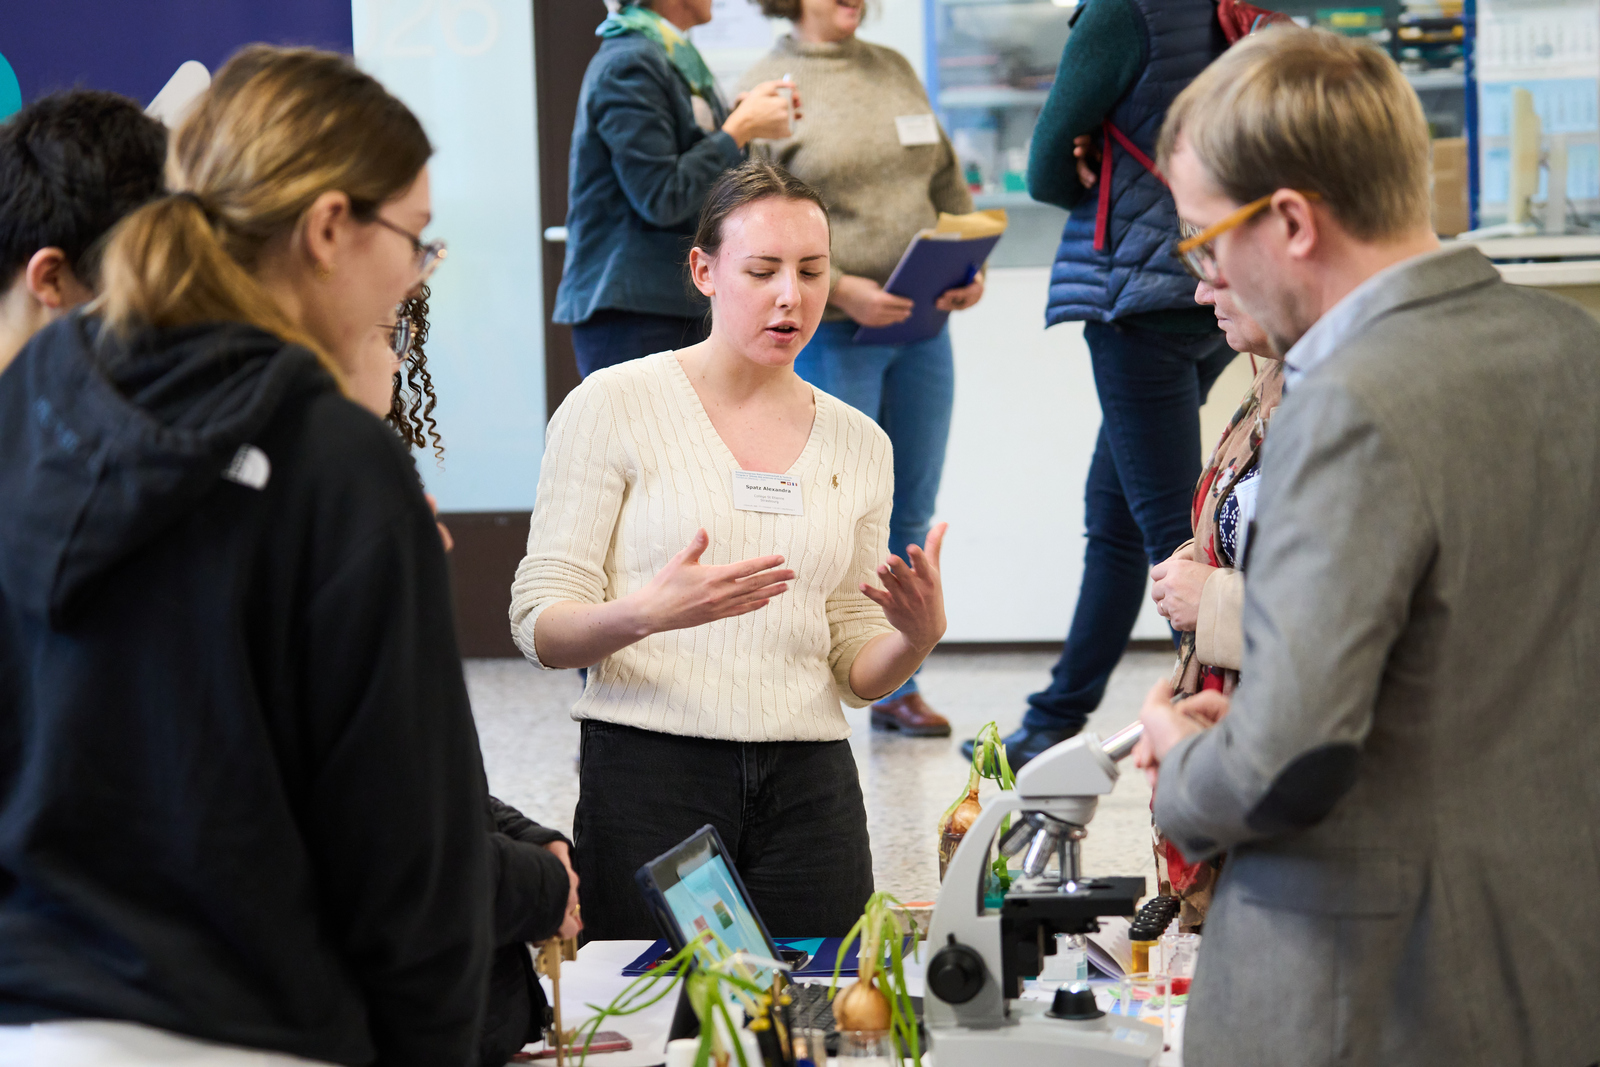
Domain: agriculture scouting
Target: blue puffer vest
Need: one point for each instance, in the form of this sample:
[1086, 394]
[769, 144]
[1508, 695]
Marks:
[1137, 271]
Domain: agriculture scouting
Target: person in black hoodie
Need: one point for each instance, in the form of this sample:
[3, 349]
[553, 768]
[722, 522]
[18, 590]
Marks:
[535, 898]
[243, 813]
[534, 887]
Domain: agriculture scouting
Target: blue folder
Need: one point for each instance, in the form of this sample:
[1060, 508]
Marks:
[823, 951]
[930, 266]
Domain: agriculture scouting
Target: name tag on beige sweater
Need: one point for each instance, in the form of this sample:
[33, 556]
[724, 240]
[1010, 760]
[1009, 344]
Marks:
[916, 129]
[773, 494]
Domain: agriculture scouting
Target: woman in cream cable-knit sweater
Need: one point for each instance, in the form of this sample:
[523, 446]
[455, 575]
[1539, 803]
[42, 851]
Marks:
[718, 668]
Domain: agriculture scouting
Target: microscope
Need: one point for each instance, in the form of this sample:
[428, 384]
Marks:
[980, 957]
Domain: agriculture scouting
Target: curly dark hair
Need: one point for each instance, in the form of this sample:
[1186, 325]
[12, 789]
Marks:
[411, 406]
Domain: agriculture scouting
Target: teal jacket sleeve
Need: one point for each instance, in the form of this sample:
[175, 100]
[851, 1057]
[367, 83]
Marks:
[1104, 56]
[665, 185]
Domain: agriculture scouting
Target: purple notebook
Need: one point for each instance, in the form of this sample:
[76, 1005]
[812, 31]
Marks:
[930, 266]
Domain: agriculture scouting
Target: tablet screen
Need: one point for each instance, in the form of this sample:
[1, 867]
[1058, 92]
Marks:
[702, 895]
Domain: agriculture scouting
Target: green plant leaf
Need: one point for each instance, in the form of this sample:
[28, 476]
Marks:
[844, 947]
[703, 986]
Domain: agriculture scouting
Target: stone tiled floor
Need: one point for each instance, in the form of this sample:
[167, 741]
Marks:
[529, 745]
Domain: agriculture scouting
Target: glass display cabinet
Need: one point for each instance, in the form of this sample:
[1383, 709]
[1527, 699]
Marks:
[990, 65]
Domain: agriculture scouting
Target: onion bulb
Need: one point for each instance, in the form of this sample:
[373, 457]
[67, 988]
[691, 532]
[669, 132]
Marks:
[955, 824]
[988, 761]
[861, 1006]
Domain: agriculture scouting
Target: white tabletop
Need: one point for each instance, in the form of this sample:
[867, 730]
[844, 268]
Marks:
[595, 978]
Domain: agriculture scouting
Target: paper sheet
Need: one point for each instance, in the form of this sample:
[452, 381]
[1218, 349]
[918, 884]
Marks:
[1111, 949]
[984, 223]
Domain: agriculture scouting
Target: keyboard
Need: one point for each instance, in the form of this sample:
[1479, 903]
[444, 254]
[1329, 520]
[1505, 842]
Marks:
[812, 1010]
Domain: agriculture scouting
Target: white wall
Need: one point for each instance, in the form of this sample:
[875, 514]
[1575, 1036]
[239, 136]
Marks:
[1020, 440]
[1023, 432]
[737, 35]
[899, 24]
[466, 68]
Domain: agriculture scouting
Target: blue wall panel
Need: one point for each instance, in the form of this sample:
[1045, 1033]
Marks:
[466, 68]
[133, 46]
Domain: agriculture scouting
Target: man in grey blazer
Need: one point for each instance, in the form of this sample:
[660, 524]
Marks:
[1407, 782]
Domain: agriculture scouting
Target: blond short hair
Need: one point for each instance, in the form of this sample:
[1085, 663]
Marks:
[1292, 108]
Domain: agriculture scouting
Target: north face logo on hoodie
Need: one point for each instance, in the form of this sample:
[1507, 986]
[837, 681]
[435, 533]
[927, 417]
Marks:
[249, 466]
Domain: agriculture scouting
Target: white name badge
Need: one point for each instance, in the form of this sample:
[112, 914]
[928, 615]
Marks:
[774, 494]
[703, 116]
[916, 129]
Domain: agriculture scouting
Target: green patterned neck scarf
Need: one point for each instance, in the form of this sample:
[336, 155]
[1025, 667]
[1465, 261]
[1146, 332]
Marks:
[680, 51]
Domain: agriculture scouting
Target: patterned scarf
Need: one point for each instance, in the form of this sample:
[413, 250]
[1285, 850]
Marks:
[680, 51]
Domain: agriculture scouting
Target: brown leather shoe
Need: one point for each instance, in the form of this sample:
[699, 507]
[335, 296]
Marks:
[910, 715]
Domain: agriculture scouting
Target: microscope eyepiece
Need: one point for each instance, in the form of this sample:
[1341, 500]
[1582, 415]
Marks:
[1120, 744]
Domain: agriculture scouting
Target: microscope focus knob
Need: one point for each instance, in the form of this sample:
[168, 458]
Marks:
[955, 974]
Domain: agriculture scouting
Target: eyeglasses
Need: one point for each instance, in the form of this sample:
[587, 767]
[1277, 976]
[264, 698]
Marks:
[429, 255]
[399, 335]
[1194, 250]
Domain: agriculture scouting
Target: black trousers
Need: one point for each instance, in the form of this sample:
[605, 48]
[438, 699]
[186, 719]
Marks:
[790, 812]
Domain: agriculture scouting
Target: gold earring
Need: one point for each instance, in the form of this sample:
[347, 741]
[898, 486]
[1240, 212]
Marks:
[323, 271]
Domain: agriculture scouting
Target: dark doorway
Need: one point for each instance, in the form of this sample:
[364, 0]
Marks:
[563, 44]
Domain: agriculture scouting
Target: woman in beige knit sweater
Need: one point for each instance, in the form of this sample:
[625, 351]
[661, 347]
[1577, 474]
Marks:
[869, 143]
[725, 610]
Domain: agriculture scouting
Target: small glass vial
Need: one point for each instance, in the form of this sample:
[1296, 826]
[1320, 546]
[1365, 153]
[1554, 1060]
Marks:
[1070, 962]
[787, 92]
[1075, 949]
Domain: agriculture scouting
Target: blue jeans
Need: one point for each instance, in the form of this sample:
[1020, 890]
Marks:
[908, 390]
[610, 337]
[1136, 503]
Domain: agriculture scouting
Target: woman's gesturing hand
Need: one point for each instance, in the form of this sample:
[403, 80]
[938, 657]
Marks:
[912, 596]
[688, 593]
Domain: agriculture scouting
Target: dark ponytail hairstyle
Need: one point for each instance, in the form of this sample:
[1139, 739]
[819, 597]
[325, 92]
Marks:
[739, 187]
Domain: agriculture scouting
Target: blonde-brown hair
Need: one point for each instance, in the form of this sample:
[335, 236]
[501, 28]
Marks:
[277, 128]
[1292, 108]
